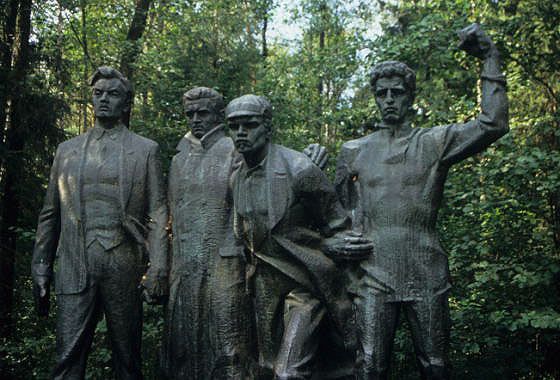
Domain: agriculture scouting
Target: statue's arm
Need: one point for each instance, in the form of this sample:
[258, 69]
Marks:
[464, 140]
[326, 211]
[46, 242]
[236, 223]
[344, 180]
[172, 179]
[48, 228]
[494, 102]
[172, 187]
[157, 216]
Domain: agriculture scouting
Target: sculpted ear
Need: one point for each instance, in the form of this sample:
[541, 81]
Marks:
[127, 104]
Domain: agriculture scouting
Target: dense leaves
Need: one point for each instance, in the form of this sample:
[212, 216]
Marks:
[501, 218]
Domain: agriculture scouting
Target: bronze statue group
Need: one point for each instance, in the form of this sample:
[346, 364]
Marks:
[273, 272]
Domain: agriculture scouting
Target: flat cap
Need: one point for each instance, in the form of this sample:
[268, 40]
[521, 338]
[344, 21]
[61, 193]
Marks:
[249, 105]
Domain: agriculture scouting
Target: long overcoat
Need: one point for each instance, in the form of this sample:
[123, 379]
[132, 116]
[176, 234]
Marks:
[207, 325]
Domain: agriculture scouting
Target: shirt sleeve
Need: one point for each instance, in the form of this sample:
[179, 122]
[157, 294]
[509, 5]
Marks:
[459, 141]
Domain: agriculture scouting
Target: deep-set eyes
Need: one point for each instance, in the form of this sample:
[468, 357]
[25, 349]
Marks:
[110, 93]
[383, 93]
[190, 114]
[246, 126]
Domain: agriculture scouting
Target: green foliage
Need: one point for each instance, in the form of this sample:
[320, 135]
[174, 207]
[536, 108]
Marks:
[500, 220]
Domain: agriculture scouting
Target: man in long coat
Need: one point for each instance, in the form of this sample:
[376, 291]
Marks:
[104, 211]
[207, 326]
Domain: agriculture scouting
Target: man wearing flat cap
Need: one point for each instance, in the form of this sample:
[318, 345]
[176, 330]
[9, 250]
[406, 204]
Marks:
[104, 211]
[294, 229]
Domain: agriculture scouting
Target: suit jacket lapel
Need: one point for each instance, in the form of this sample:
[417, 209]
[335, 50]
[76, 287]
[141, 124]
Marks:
[127, 167]
[75, 182]
[278, 187]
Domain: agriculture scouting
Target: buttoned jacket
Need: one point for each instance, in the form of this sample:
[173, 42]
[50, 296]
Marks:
[143, 210]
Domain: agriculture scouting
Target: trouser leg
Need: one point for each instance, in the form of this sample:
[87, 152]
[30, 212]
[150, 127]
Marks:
[429, 322]
[270, 286]
[77, 316]
[303, 315]
[122, 304]
[376, 324]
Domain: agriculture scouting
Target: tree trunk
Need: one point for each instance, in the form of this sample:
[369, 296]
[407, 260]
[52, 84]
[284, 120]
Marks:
[9, 11]
[132, 46]
[85, 72]
[135, 32]
[320, 88]
[15, 141]
[58, 66]
[264, 52]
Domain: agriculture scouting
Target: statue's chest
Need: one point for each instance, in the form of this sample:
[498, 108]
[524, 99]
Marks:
[395, 165]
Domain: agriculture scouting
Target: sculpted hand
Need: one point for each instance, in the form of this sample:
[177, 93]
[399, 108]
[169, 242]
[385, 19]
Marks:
[318, 155]
[41, 295]
[154, 286]
[348, 245]
[475, 42]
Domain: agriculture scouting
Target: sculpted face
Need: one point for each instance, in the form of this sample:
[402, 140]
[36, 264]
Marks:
[393, 99]
[109, 99]
[201, 116]
[250, 134]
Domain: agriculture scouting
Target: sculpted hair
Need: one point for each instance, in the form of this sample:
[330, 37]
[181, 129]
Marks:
[394, 68]
[197, 93]
[106, 72]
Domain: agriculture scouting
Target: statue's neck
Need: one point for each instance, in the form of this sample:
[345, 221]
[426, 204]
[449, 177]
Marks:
[107, 123]
[398, 129]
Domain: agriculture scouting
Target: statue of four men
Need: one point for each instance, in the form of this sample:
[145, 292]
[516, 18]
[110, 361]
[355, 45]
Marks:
[261, 281]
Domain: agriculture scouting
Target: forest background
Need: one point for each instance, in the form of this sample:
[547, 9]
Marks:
[500, 222]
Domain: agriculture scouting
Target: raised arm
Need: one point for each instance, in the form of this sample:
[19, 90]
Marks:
[494, 103]
[463, 140]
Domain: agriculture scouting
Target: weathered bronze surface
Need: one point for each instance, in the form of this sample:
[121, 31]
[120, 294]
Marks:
[207, 329]
[392, 183]
[261, 241]
[104, 215]
[287, 216]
